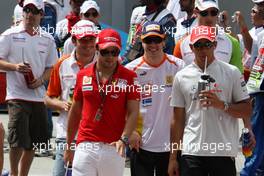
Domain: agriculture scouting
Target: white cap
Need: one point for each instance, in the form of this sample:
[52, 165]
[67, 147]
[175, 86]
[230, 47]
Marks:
[39, 4]
[206, 4]
[18, 14]
[84, 28]
[257, 1]
[89, 5]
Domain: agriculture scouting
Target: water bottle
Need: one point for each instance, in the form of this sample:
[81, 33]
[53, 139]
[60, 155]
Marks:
[247, 152]
[203, 84]
[29, 77]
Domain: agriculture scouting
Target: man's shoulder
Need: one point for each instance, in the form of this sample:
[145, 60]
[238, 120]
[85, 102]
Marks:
[175, 60]
[227, 68]
[134, 64]
[45, 34]
[13, 30]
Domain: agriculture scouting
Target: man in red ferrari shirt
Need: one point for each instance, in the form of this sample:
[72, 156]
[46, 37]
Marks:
[105, 108]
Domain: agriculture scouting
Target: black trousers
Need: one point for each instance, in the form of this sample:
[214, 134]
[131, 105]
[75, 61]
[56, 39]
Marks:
[207, 166]
[145, 163]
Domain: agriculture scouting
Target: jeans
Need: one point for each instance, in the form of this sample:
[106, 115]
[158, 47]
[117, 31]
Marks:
[59, 165]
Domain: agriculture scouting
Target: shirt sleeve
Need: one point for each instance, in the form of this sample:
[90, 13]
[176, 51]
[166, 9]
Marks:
[239, 91]
[53, 56]
[54, 88]
[78, 95]
[177, 98]
[4, 46]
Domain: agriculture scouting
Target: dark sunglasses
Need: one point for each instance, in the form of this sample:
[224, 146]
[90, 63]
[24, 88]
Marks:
[109, 53]
[93, 14]
[199, 45]
[149, 40]
[34, 11]
[206, 13]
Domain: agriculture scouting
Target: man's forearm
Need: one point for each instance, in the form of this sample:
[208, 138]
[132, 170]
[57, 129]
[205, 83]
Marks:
[53, 103]
[46, 75]
[74, 118]
[132, 115]
[240, 110]
[177, 129]
[6, 66]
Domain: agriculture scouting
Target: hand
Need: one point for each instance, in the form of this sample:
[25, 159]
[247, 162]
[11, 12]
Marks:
[68, 155]
[210, 99]
[36, 83]
[22, 68]
[223, 18]
[65, 105]
[135, 141]
[173, 167]
[239, 19]
[252, 140]
[120, 147]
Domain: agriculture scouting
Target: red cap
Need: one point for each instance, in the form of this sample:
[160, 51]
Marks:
[203, 32]
[108, 37]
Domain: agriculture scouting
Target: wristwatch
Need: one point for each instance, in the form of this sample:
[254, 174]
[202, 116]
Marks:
[124, 139]
[226, 106]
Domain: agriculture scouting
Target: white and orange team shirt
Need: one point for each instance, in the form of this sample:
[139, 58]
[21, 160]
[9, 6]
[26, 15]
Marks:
[39, 50]
[155, 111]
[62, 79]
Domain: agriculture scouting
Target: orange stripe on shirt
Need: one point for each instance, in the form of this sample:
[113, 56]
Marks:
[138, 65]
[177, 48]
[54, 88]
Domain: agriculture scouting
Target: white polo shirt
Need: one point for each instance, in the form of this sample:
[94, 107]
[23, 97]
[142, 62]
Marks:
[39, 51]
[62, 79]
[155, 109]
[209, 132]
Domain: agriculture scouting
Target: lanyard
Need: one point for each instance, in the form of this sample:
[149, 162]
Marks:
[101, 91]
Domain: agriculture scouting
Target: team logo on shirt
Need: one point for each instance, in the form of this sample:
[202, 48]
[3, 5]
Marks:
[87, 80]
[143, 73]
[169, 80]
[19, 39]
[87, 88]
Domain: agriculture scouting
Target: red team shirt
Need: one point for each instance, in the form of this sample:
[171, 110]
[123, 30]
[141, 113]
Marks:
[110, 127]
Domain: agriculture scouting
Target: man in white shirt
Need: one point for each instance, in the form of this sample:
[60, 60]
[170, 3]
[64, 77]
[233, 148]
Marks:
[155, 71]
[205, 125]
[26, 43]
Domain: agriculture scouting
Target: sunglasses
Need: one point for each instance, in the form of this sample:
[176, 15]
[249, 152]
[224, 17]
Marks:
[155, 40]
[206, 13]
[109, 53]
[199, 45]
[34, 11]
[93, 14]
